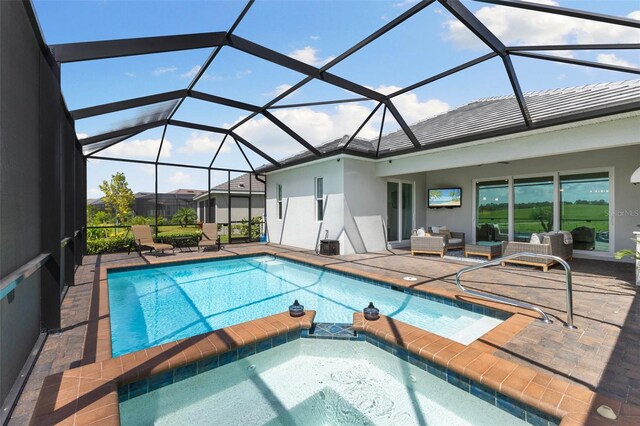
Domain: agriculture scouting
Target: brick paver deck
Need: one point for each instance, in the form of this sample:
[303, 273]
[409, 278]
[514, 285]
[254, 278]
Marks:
[601, 355]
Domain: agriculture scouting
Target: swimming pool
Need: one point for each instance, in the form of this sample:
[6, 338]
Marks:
[159, 304]
[315, 382]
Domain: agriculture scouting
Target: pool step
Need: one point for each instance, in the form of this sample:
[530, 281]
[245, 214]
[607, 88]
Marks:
[330, 330]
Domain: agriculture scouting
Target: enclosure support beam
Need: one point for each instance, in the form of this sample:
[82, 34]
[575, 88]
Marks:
[91, 50]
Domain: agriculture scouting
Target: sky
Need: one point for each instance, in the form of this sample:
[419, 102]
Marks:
[314, 32]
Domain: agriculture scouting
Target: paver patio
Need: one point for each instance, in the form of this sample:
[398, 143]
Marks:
[601, 354]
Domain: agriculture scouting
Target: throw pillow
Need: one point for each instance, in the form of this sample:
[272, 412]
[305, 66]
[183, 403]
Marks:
[435, 229]
[421, 232]
[536, 238]
[568, 238]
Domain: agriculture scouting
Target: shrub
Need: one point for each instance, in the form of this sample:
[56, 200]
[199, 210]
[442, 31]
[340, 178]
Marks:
[122, 244]
[168, 237]
[109, 245]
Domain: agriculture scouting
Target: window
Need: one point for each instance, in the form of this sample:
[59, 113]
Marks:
[532, 206]
[577, 202]
[211, 212]
[492, 211]
[279, 200]
[319, 200]
[584, 210]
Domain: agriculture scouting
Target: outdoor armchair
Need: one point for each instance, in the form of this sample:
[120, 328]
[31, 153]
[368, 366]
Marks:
[143, 239]
[209, 237]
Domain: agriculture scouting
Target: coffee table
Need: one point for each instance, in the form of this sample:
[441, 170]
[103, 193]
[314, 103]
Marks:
[488, 249]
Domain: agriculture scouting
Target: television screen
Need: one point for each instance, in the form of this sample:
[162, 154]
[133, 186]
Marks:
[444, 197]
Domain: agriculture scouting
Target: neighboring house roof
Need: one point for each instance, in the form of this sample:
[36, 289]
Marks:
[185, 194]
[494, 116]
[238, 185]
[194, 192]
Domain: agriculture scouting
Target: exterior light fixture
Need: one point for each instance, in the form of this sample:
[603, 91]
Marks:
[296, 310]
[371, 313]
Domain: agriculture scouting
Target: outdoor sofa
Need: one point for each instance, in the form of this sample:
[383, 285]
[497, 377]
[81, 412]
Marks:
[433, 242]
[556, 244]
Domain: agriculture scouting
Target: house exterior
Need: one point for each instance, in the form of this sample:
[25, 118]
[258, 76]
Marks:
[247, 196]
[168, 202]
[574, 176]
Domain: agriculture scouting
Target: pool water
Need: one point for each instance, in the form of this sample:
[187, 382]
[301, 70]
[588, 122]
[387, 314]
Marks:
[314, 382]
[160, 304]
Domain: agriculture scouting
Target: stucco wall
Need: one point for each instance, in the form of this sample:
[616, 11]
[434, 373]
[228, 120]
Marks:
[365, 212]
[355, 205]
[298, 226]
[626, 197]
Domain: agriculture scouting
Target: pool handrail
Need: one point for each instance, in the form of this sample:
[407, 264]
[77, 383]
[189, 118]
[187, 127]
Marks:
[544, 317]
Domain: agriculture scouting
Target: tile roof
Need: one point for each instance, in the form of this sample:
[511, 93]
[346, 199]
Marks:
[496, 115]
[241, 184]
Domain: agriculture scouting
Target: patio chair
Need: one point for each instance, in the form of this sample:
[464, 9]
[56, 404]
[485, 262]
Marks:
[209, 237]
[143, 239]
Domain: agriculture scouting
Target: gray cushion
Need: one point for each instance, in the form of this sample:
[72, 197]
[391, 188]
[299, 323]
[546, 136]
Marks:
[455, 241]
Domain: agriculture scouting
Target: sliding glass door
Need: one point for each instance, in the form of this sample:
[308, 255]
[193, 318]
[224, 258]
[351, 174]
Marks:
[515, 207]
[532, 206]
[399, 210]
[492, 211]
[584, 210]
[393, 210]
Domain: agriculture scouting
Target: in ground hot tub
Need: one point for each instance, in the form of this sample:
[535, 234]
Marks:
[319, 382]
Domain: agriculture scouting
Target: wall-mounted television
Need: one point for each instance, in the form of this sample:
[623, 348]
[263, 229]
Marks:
[444, 197]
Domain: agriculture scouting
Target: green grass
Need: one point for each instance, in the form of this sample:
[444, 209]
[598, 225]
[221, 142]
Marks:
[576, 215]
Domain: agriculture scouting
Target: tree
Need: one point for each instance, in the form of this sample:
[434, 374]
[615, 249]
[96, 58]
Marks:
[545, 216]
[185, 216]
[118, 197]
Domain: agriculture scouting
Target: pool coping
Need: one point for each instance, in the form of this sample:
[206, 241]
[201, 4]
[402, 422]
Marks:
[81, 395]
[89, 394]
[489, 342]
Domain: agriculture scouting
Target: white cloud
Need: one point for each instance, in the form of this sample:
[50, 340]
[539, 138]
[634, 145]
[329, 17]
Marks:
[129, 74]
[199, 142]
[612, 59]
[147, 169]
[318, 127]
[192, 72]
[279, 90]
[309, 55]
[515, 26]
[411, 108]
[243, 74]
[314, 37]
[405, 3]
[146, 148]
[164, 70]
[181, 178]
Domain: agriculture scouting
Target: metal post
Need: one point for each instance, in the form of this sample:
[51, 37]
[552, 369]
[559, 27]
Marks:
[229, 203]
[250, 217]
[208, 206]
[156, 205]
